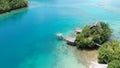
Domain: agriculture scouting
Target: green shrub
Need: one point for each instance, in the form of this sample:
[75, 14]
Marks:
[114, 64]
[106, 32]
[86, 31]
[4, 6]
[85, 43]
[84, 39]
[109, 51]
[105, 53]
[88, 37]
[8, 5]
[15, 4]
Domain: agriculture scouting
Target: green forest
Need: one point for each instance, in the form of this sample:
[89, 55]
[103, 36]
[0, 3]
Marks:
[8, 5]
[90, 36]
[108, 51]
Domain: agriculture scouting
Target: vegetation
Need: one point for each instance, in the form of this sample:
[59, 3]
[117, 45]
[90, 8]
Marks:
[84, 39]
[90, 36]
[109, 51]
[114, 64]
[8, 5]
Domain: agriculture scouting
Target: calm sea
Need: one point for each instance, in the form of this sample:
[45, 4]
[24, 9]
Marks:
[28, 36]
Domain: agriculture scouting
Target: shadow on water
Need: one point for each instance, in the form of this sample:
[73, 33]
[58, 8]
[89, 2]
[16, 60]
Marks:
[13, 15]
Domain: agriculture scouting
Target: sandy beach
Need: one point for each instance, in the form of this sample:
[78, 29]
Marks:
[87, 56]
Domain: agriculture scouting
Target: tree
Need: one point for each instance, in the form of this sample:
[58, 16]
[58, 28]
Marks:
[8, 5]
[89, 37]
[83, 39]
[109, 51]
[114, 64]
[4, 6]
[15, 4]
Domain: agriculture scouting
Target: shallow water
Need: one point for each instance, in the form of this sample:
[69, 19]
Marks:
[27, 36]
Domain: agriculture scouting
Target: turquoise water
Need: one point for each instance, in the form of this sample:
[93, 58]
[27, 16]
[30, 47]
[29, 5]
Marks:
[27, 36]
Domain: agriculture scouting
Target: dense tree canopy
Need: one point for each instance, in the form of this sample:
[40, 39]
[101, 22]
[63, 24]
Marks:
[109, 51]
[90, 36]
[8, 5]
[114, 64]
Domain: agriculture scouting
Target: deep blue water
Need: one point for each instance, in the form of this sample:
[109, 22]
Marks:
[27, 36]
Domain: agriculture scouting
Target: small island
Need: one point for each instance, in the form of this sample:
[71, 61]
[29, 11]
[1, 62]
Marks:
[92, 36]
[97, 37]
[9, 5]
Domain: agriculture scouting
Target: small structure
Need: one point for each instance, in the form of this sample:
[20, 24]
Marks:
[78, 30]
[70, 40]
[60, 35]
[97, 23]
[97, 65]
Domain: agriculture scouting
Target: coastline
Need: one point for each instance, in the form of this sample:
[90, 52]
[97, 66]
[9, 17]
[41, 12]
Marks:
[14, 10]
[87, 56]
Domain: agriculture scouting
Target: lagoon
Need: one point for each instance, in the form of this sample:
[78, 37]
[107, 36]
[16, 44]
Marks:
[28, 36]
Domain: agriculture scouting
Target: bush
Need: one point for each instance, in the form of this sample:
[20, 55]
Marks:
[109, 51]
[105, 53]
[15, 4]
[8, 5]
[82, 39]
[106, 32]
[85, 43]
[88, 37]
[114, 64]
[4, 6]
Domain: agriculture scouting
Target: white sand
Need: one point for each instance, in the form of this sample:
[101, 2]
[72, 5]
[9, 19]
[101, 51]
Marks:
[87, 55]
[67, 59]
[97, 65]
